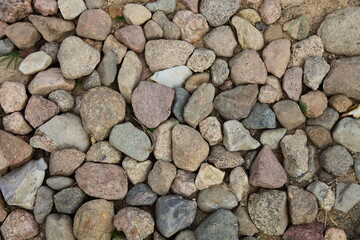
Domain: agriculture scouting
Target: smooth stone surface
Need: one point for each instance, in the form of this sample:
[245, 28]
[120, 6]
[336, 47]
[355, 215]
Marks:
[15, 123]
[196, 80]
[248, 36]
[184, 183]
[216, 197]
[219, 72]
[69, 200]
[311, 231]
[323, 193]
[59, 182]
[166, 6]
[210, 129]
[260, 117]
[103, 152]
[137, 172]
[65, 162]
[140, 195]
[207, 176]
[347, 133]
[326, 120]
[298, 28]
[63, 99]
[131, 36]
[272, 137]
[59, 227]
[70, 9]
[35, 62]
[161, 176]
[38, 110]
[172, 77]
[218, 12]
[276, 56]
[107, 69]
[347, 196]
[239, 183]
[201, 59]
[221, 40]
[270, 11]
[288, 113]
[23, 34]
[320, 136]
[13, 97]
[315, 102]
[315, 69]
[43, 203]
[292, 83]
[237, 137]
[180, 101]
[336, 160]
[136, 14]
[246, 226]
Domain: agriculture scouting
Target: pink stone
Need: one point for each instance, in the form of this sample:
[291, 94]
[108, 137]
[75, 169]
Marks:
[270, 11]
[192, 5]
[335, 234]
[276, 56]
[39, 110]
[94, 24]
[131, 36]
[311, 231]
[210, 129]
[184, 183]
[23, 34]
[12, 96]
[46, 7]
[316, 103]
[193, 26]
[292, 82]
[14, 10]
[16, 124]
[65, 162]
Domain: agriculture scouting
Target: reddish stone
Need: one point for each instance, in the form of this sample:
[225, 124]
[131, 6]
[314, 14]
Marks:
[23, 34]
[12, 96]
[94, 24]
[270, 11]
[39, 110]
[192, 5]
[311, 231]
[14, 10]
[16, 124]
[292, 82]
[316, 103]
[46, 7]
[340, 103]
[193, 26]
[66, 161]
[131, 36]
[320, 136]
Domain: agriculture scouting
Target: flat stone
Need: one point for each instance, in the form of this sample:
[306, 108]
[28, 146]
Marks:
[237, 137]
[292, 83]
[311, 46]
[107, 68]
[161, 176]
[315, 102]
[19, 225]
[69, 200]
[248, 36]
[323, 194]
[13, 11]
[153, 30]
[59, 182]
[112, 44]
[347, 133]
[340, 103]
[15, 123]
[320, 136]
[35, 62]
[193, 26]
[221, 40]
[216, 197]
[272, 137]
[196, 80]
[219, 72]
[140, 195]
[260, 117]
[270, 11]
[137, 172]
[103, 152]
[311, 231]
[43, 203]
[276, 56]
[239, 183]
[222, 158]
[131, 36]
[288, 113]
[63, 99]
[326, 120]
[13, 96]
[59, 227]
[166, 6]
[65, 162]
[162, 148]
[70, 9]
[172, 77]
[246, 226]
[46, 8]
[210, 129]
[315, 69]
[298, 28]
[347, 196]
[207, 176]
[23, 34]
[218, 12]
[38, 110]
[136, 14]
[180, 101]
[184, 183]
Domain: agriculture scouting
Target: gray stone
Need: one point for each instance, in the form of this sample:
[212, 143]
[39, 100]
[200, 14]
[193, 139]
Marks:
[107, 69]
[166, 6]
[181, 99]
[70, 9]
[260, 117]
[6, 46]
[237, 137]
[323, 194]
[43, 203]
[52, 49]
[246, 226]
[347, 133]
[222, 158]
[140, 195]
[326, 120]
[272, 137]
[216, 197]
[222, 41]
[161, 176]
[59, 182]
[239, 183]
[315, 69]
[69, 200]
[162, 134]
[347, 196]
[186, 235]
[91, 81]
[336, 160]
[201, 59]
[357, 169]
[170, 29]
[59, 227]
[153, 30]
[289, 114]
[218, 12]
[219, 72]
[63, 99]
[311, 46]
[103, 152]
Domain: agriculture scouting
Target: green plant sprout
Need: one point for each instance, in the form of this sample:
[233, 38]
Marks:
[303, 107]
[14, 55]
[120, 19]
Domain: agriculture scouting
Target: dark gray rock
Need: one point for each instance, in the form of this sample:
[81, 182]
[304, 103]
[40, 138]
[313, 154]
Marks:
[326, 120]
[216, 197]
[69, 200]
[6, 46]
[249, 159]
[59, 182]
[44, 203]
[246, 226]
[347, 196]
[260, 117]
[140, 195]
[181, 99]
[336, 160]
[323, 194]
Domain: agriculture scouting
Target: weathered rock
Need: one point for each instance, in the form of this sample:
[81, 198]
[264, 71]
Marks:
[63, 99]
[298, 28]
[270, 11]
[172, 77]
[288, 113]
[315, 69]
[292, 83]
[162, 148]
[207, 176]
[180, 101]
[65, 162]
[311, 46]
[311, 231]
[136, 171]
[210, 129]
[260, 117]
[248, 36]
[347, 133]
[69, 200]
[271, 92]
[43, 203]
[272, 137]
[6, 46]
[250, 15]
[70, 9]
[35, 62]
[320, 136]
[347, 196]
[315, 103]
[161, 177]
[323, 194]
[273, 32]
[239, 183]
[11, 74]
[222, 158]
[107, 68]
[221, 40]
[59, 182]
[219, 72]
[216, 197]
[335, 233]
[336, 160]
[326, 120]
[140, 195]
[19, 225]
[13, 96]
[201, 59]
[237, 137]
[153, 30]
[131, 36]
[246, 226]
[186, 234]
[166, 6]
[52, 49]
[136, 14]
[184, 183]
[38, 110]
[103, 152]
[290, 3]
[16, 124]
[91, 81]
[46, 8]
[218, 12]
[276, 56]
[23, 34]
[193, 26]
[11, 11]
[196, 80]
[112, 44]
[59, 227]
[170, 29]
[340, 103]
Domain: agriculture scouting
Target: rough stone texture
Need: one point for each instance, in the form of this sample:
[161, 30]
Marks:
[131, 36]
[186, 234]
[161, 177]
[320, 136]
[292, 83]
[239, 183]
[69, 200]
[196, 80]
[65, 162]
[326, 120]
[52, 49]
[107, 68]
[222, 158]
[193, 26]
[140, 195]
[91, 81]
[323, 194]
[12, 11]
[46, 8]
[347, 133]
[70, 9]
[166, 6]
[38, 110]
[288, 113]
[59, 182]
[207, 176]
[270, 11]
[347, 196]
[63, 99]
[6, 46]
[43, 203]
[335, 233]
[9, 74]
[336, 160]
[112, 44]
[153, 30]
[103, 152]
[260, 117]
[315, 102]
[311, 231]
[136, 171]
[218, 12]
[201, 59]
[219, 72]
[276, 56]
[35, 62]
[246, 226]
[311, 46]
[162, 134]
[315, 69]
[340, 103]
[16, 124]
[210, 129]
[216, 197]
[136, 14]
[23, 34]
[59, 227]
[13, 96]
[248, 36]
[170, 29]
[184, 183]
[272, 137]
[271, 92]
[250, 15]
[298, 28]
[237, 137]
[221, 40]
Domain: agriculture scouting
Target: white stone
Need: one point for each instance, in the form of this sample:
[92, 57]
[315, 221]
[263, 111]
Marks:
[70, 9]
[237, 137]
[136, 14]
[172, 77]
[272, 137]
[35, 62]
[208, 176]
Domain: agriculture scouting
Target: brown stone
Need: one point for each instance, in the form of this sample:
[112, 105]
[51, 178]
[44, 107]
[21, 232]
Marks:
[292, 83]
[23, 34]
[3, 212]
[103, 152]
[3, 25]
[19, 225]
[311, 46]
[137, 172]
[65, 162]
[207, 176]
[46, 7]
[239, 183]
[315, 102]
[210, 129]
[12, 96]
[223, 158]
[320, 136]
[288, 113]
[340, 103]
[39, 110]
[16, 124]
[131, 36]
[276, 56]
[194, 81]
[193, 26]
[94, 24]
[192, 5]
[222, 41]
[246, 226]
[112, 44]
[273, 32]
[161, 177]
[271, 92]
[14, 10]
[184, 183]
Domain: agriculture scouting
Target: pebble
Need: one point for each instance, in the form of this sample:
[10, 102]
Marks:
[236, 103]
[340, 103]
[172, 77]
[357, 168]
[93, 220]
[298, 28]
[311, 231]
[210, 129]
[333, 233]
[59, 227]
[192, 26]
[237, 137]
[216, 197]
[170, 29]
[13, 96]
[239, 183]
[315, 69]
[103, 152]
[112, 44]
[107, 69]
[179, 103]
[16, 124]
[161, 176]
[248, 36]
[323, 194]
[347, 196]
[195, 81]
[200, 104]
[140, 195]
[271, 92]
[153, 30]
[43, 203]
[246, 226]
[52, 49]
[65, 162]
[69, 200]
[168, 220]
[94, 3]
[272, 138]
[270, 11]
[268, 211]
[6, 47]
[20, 185]
[136, 14]
[162, 134]
[166, 6]
[222, 224]
[11, 12]
[288, 113]
[35, 62]
[91, 81]
[23, 34]
[46, 8]
[186, 235]
[219, 72]
[250, 15]
[70, 9]
[152, 103]
[221, 40]
[260, 117]
[19, 225]
[222, 158]
[276, 56]
[131, 36]
[137, 172]
[3, 25]
[134, 222]
[326, 120]
[201, 59]
[347, 133]
[207, 176]
[266, 170]
[247, 67]
[324, 176]
[184, 183]
[320, 136]
[290, 3]
[311, 46]
[292, 83]
[336, 160]
[273, 32]
[59, 182]
[38, 110]
[218, 12]
[315, 102]
[77, 58]
[63, 99]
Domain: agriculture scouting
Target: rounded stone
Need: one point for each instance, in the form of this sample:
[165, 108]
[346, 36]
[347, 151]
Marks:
[35, 62]
[63, 99]
[336, 160]
[193, 26]
[13, 96]
[69, 200]
[216, 197]
[315, 103]
[19, 225]
[94, 24]
[218, 12]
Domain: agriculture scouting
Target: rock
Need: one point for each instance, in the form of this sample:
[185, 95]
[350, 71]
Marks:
[216, 197]
[210, 129]
[52, 49]
[38, 110]
[19, 225]
[161, 177]
[309, 231]
[162, 134]
[163, 54]
[276, 56]
[347, 133]
[313, 165]
[248, 36]
[172, 77]
[201, 59]
[332, 31]
[207, 176]
[236, 103]
[6, 47]
[218, 12]
[250, 15]
[69, 200]
[303, 206]
[315, 103]
[63, 99]
[166, 6]
[271, 92]
[272, 137]
[270, 11]
[335, 233]
[136, 14]
[246, 226]
[43, 203]
[94, 3]
[237, 137]
[292, 83]
[77, 58]
[170, 29]
[186, 235]
[340, 103]
[239, 183]
[151, 103]
[65, 162]
[60, 132]
[46, 8]
[290, 3]
[13, 96]
[193, 26]
[20, 185]
[107, 68]
[268, 211]
[320, 136]
[13, 150]
[3, 25]
[222, 158]
[153, 30]
[140, 195]
[179, 103]
[59, 182]
[12, 11]
[91, 81]
[266, 171]
[53, 29]
[315, 69]
[93, 220]
[184, 183]
[59, 227]
[70, 9]
[273, 32]
[131, 36]
[336, 160]
[11, 74]
[136, 171]
[326, 120]
[16, 124]
[219, 72]
[347, 196]
[23, 34]
[222, 224]
[103, 152]
[35, 62]
[188, 154]
[196, 80]
[298, 28]
[357, 168]
[311, 46]
[168, 219]
[134, 222]
[112, 44]
[323, 194]
[192, 5]
[286, 108]
[247, 67]
[260, 117]
[101, 109]
[221, 40]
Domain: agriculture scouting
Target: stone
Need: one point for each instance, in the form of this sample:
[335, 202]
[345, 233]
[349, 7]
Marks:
[70, 9]
[43, 203]
[222, 224]
[3, 25]
[323, 193]
[315, 69]
[292, 83]
[271, 92]
[93, 220]
[216, 197]
[201, 59]
[153, 30]
[77, 58]
[288, 113]
[69, 200]
[20, 185]
[336, 160]
[347, 196]
[13, 96]
[170, 29]
[63, 99]
[239, 183]
[188, 147]
[332, 31]
[107, 69]
[268, 211]
[335, 233]
[161, 177]
[137, 172]
[163, 54]
[6, 47]
[315, 103]
[94, 3]
[210, 129]
[59, 182]
[46, 8]
[222, 158]
[112, 44]
[347, 133]
[16, 124]
[192, 26]
[196, 80]
[272, 137]
[38, 110]
[152, 103]
[136, 14]
[162, 134]
[35, 62]
[326, 120]
[221, 40]
[320, 136]
[168, 219]
[311, 46]
[207, 176]
[236, 103]
[53, 29]
[340, 103]
[19, 225]
[12, 74]
[179, 103]
[186, 235]
[166, 6]
[101, 109]
[246, 226]
[184, 183]
[248, 36]
[23, 34]
[94, 24]
[266, 170]
[250, 15]
[200, 104]
[140, 195]
[134, 222]
[131, 36]
[260, 117]
[218, 12]
[313, 231]
[357, 168]
[65, 162]
[59, 227]
[270, 11]
[247, 67]
[60, 132]
[52, 49]
[91, 81]
[276, 56]
[290, 3]
[237, 137]
[303, 206]
[172, 77]
[298, 28]
[273, 32]
[219, 72]
[103, 152]
[11, 11]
